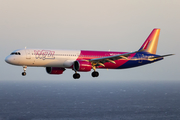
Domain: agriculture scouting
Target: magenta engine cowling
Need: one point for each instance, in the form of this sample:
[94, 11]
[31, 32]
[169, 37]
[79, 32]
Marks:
[55, 70]
[83, 66]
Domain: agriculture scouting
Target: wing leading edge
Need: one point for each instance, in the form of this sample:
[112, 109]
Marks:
[101, 61]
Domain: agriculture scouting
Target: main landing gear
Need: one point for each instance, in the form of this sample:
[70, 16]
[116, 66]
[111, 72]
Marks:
[76, 75]
[24, 68]
[95, 74]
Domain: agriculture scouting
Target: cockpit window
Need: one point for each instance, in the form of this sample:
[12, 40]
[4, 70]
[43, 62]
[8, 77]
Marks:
[15, 53]
[12, 53]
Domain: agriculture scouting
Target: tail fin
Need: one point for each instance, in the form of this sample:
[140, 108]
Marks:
[150, 45]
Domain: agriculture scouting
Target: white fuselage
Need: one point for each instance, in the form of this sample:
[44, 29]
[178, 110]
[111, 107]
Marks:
[43, 58]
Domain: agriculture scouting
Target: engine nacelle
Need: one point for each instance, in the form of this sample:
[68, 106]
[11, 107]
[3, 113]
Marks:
[55, 70]
[83, 66]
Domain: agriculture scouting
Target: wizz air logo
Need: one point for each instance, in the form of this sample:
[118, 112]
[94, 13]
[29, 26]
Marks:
[44, 54]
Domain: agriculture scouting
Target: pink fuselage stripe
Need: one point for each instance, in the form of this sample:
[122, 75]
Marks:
[87, 55]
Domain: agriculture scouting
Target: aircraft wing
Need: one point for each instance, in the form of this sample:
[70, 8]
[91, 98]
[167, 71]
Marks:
[101, 61]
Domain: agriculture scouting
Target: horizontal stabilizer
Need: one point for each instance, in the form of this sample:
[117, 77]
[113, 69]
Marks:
[161, 56]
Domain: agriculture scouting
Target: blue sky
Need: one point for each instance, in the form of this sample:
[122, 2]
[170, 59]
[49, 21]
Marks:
[117, 25]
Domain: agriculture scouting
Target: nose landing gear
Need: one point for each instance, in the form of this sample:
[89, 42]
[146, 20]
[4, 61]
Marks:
[23, 73]
[24, 68]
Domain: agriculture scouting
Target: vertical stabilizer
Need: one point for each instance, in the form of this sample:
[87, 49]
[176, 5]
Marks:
[150, 45]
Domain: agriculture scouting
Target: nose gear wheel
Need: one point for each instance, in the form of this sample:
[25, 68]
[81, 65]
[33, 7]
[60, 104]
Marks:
[24, 68]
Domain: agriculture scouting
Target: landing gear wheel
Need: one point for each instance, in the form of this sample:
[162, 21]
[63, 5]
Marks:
[24, 68]
[76, 76]
[95, 74]
[23, 73]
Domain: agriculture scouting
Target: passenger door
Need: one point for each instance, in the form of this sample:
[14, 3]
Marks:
[28, 54]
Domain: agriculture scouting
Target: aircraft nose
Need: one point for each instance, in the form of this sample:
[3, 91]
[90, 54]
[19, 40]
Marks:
[7, 59]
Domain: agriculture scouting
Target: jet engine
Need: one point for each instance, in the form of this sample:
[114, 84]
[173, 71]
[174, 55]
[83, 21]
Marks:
[55, 70]
[83, 66]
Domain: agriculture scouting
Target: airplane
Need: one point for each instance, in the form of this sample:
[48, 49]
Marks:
[57, 61]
